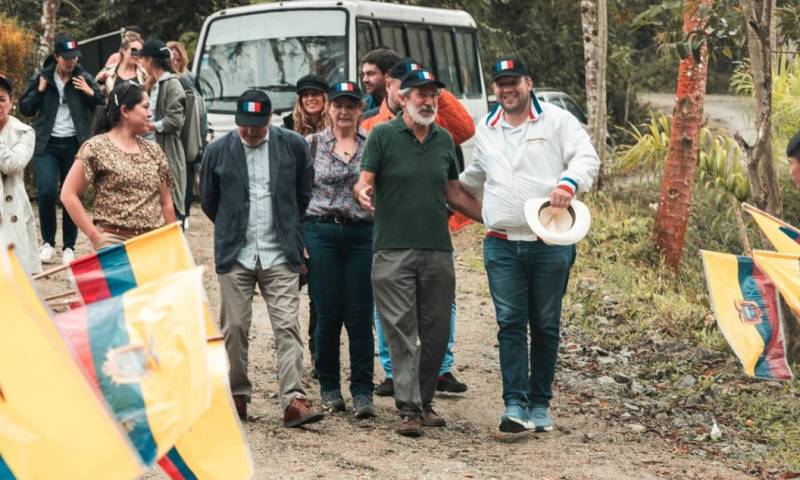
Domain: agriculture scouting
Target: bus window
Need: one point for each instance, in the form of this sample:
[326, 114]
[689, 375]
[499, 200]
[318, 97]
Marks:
[271, 51]
[365, 42]
[469, 71]
[419, 45]
[446, 59]
[392, 37]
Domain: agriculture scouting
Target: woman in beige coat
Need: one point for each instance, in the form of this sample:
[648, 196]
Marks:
[17, 224]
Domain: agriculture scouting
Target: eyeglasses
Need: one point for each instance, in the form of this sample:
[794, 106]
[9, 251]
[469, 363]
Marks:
[134, 50]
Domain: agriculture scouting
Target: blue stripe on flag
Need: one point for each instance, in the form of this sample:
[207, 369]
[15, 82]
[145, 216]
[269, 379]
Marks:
[117, 269]
[5, 471]
[751, 292]
[180, 464]
[108, 331]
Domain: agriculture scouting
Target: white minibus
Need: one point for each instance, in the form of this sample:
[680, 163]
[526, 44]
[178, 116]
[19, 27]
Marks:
[272, 45]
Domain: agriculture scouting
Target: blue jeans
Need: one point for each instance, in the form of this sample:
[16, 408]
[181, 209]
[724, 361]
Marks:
[51, 169]
[527, 281]
[383, 348]
[339, 276]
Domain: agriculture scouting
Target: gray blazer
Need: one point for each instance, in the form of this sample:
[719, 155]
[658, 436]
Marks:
[225, 193]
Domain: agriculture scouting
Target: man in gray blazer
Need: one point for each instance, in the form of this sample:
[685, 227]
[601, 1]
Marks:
[255, 187]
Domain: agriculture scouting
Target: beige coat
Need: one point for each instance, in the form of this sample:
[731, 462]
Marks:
[17, 222]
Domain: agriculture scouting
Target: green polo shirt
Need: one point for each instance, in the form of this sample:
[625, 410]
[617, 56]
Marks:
[410, 182]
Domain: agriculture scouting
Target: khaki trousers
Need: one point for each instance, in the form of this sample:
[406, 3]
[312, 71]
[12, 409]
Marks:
[279, 286]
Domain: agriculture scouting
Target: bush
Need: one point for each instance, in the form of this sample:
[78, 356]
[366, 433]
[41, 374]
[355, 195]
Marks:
[16, 47]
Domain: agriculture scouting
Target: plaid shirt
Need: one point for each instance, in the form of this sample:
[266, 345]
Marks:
[332, 192]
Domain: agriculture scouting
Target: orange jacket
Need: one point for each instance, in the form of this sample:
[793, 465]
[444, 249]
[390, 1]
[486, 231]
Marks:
[452, 116]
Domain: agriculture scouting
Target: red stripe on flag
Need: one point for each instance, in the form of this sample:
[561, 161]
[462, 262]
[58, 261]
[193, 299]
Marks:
[74, 326]
[90, 279]
[169, 468]
[774, 351]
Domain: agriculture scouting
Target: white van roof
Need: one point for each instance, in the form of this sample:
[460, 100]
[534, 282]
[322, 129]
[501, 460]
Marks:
[365, 8]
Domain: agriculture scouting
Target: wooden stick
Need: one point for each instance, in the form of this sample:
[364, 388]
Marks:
[59, 295]
[63, 303]
[50, 272]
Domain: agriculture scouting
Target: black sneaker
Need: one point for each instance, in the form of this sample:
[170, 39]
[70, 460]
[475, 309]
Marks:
[448, 383]
[332, 401]
[385, 389]
[362, 406]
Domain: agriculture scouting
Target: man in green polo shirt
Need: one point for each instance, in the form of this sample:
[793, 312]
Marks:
[409, 167]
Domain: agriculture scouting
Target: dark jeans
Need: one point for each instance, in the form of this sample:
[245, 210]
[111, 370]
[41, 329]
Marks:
[51, 169]
[527, 281]
[339, 266]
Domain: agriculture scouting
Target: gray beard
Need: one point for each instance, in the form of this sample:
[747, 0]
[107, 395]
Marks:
[419, 119]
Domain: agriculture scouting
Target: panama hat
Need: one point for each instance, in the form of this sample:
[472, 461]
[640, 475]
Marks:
[563, 226]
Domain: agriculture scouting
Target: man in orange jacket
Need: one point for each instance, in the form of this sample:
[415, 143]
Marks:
[453, 117]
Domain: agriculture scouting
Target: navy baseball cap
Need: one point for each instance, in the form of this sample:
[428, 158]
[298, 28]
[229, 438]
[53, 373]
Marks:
[253, 109]
[66, 46]
[793, 149]
[418, 78]
[344, 89]
[509, 67]
[405, 65]
[153, 49]
[310, 82]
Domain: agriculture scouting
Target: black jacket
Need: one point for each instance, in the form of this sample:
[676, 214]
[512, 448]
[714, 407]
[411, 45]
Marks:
[81, 106]
[225, 193]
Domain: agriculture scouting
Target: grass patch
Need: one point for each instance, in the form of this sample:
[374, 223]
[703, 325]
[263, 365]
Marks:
[622, 296]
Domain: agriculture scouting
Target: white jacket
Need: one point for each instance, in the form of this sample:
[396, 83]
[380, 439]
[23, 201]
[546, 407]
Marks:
[553, 150]
[17, 222]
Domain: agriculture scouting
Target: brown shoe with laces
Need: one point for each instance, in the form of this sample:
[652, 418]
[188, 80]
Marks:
[411, 426]
[432, 419]
[240, 401]
[301, 412]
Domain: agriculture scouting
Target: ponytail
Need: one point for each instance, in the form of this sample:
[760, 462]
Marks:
[127, 94]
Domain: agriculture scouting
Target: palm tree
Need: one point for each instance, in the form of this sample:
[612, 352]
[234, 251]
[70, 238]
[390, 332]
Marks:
[679, 169]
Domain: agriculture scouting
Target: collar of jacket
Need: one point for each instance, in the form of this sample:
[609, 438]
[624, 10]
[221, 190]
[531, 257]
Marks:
[49, 72]
[535, 113]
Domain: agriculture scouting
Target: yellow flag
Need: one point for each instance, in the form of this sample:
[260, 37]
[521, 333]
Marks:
[783, 236]
[215, 447]
[746, 306]
[146, 350]
[52, 424]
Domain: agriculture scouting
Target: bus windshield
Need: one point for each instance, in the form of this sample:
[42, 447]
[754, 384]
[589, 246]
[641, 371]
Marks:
[270, 50]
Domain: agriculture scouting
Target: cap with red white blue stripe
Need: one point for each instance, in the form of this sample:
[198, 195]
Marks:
[66, 46]
[509, 67]
[417, 78]
[344, 89]
[253, 108]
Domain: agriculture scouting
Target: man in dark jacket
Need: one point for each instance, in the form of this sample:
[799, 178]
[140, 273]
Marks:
[255, 187]
[63, 97]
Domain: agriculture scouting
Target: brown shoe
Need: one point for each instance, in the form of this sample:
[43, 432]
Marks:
[301, 412]
[431, 418]
[411, 426]
[241, 406]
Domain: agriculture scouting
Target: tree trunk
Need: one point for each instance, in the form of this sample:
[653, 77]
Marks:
[48, 25]
[594, 21]
[679, 169]
[758, 16]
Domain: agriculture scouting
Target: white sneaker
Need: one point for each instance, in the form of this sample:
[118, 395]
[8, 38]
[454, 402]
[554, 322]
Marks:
[47, 254]
[186, 223]
[67, 256]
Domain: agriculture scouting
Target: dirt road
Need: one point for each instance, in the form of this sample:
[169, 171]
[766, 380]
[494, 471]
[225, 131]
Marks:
[587, 443]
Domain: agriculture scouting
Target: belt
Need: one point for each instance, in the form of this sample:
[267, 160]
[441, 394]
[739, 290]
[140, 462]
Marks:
[336, 219]
[495, 234]
[125, 232]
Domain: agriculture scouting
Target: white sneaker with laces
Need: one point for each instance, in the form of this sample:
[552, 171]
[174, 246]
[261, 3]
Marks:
[47, 254]
[67, 256]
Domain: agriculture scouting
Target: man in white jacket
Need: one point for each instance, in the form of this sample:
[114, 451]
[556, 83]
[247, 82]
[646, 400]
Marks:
[525, 150]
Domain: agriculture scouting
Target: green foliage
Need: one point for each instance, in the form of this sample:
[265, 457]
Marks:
[720, 165]
[649, 147]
